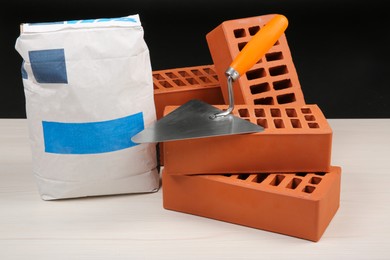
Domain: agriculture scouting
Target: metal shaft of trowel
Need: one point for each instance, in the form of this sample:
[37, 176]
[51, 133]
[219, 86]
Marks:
[232, 75]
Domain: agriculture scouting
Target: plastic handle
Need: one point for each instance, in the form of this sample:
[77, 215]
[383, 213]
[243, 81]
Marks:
[260, 43]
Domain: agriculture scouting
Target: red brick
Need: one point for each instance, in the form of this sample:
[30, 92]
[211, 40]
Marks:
[179, 85]
[272, 81]
[295, 139]
[296, 204]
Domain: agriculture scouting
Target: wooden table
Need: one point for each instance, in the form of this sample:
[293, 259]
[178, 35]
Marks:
[136, 226]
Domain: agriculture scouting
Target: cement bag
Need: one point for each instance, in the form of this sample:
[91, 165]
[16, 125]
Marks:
[88, 89]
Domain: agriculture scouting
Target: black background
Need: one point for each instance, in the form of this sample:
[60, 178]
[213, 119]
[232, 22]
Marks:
[340, 48]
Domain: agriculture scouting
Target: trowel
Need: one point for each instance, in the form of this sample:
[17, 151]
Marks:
[197, 119]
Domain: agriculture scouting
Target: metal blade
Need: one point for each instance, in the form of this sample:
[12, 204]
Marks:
[193, 120]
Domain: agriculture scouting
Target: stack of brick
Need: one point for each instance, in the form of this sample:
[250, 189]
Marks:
[280, 180]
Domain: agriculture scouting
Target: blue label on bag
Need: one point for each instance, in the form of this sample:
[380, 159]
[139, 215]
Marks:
[93, 137]
[104, 20]
[48, 66]
[24, 72]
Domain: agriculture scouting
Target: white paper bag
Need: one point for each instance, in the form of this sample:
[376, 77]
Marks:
[88, 88]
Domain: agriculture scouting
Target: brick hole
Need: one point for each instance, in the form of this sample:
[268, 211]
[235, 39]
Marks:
[155, 86]
[241, 45]
[313, 125]
[310, 118]
[282, 84]
[320, 173]
[306, 110]
[291, 112]
[239, 33]
[277, 180]
[259, 88]
[192, 81]
[215, 77]
[158, 76]
[259, 61]
[279, 70]
[274, 56]
[227, 175]
[296, 123]
[253, 30]
[278, 123]
[179, 82]
[286, 98]
[209, 71]
[184, 73]
[243, 112]
[301, 174]
[264, 101]
[166, 84]
[259, 112]
[275, 112]
[260, 177]
[243, 176]
[171, 75]
[315, 180]
[293, 184]
[255, 74]
[262, 122]
[196, 72]
[276, 43]
[205, 79]
[309, 189]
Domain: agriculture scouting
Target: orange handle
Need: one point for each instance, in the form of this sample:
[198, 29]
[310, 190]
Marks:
[260, 43]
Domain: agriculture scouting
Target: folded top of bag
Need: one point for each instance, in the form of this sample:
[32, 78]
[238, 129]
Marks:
[127, 21]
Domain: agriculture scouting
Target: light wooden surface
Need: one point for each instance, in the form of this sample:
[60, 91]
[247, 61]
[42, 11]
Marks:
[137, 227]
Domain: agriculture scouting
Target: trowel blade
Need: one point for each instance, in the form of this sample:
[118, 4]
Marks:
[193, 120]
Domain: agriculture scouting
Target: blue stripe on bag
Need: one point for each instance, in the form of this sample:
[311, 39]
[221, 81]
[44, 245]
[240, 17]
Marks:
[91, 138]
[48, 66]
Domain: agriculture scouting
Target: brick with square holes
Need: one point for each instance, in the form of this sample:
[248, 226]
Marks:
[179, 85]
[295, 139]
[296, 204]
[272, 81]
